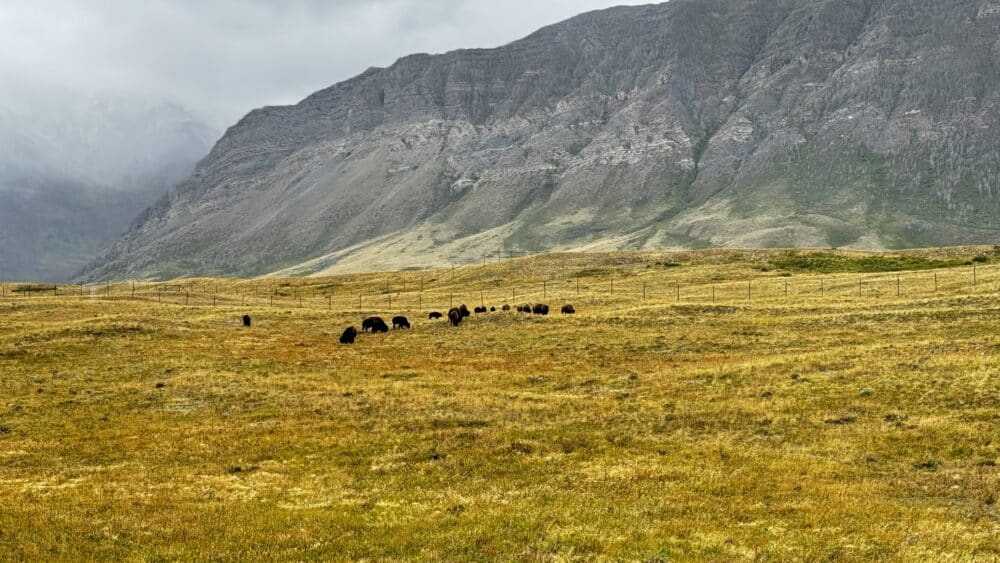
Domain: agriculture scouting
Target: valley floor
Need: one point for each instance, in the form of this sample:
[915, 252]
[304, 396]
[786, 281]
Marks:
[820, 406]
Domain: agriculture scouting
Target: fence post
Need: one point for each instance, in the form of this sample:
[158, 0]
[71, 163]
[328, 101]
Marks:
[713, 294]
[973, 274]
[482, 300]
[786, 287]
[935, 283]
[643, 291]
[390, 301]
[748, 290]
[678, 292]
[187, 296]
[545, 291]
[898, 288]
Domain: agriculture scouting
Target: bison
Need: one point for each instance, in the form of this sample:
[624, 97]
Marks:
[374, 325]
[246, 320]
[455, 316]
[435, 316]
[493, 309]
[540, 309]
[480, 310]
[464, 311]
[568, 310]
[506, 308]
[400, 322]
[349, 335]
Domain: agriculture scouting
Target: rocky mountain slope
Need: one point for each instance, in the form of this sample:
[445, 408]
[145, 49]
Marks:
[75, 172]
[860, 123]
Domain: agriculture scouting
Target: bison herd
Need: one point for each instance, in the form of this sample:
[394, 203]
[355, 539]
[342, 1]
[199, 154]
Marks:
[455, 316]
[376, 325]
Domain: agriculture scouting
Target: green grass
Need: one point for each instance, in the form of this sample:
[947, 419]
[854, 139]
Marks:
[821, 424]
[819, 262]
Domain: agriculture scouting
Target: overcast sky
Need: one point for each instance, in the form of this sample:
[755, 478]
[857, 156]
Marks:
[222, 58]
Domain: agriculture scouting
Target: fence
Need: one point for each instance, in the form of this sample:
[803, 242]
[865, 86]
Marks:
[441, 290]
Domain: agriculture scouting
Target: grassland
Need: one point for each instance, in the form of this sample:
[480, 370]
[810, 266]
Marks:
[823, 405]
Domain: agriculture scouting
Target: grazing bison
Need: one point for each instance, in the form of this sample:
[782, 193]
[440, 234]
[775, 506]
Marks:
[524, 308]
[374, 325]
[349, 335]
[435, 316]
[455, 316]
[493, 309]
[480, 310]
[464, 311]
[246, 320]
[540, 309]
[568, 310]
[400, 322]
[506, 307]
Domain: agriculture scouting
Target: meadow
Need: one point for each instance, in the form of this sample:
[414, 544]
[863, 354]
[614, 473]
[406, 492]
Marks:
[704, 405]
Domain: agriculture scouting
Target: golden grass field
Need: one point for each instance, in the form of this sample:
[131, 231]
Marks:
[843, 418]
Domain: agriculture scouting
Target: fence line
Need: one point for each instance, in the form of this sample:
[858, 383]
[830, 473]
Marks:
[430, 292]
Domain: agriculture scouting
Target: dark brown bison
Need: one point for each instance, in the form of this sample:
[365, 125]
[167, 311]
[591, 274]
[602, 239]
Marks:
[455, 316]
[246, 320]
[464, 311]
[540, 309]
[493, 309]
[349, 335]
[568, 310]
[506, 308]
[435, 316]
[374, 325]
[524, 308]
[400, 322]
[480, 310]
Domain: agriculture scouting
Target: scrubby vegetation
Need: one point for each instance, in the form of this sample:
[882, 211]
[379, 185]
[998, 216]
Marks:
[812, 420]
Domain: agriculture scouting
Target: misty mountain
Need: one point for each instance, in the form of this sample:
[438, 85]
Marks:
[74, 172]
[758, 123]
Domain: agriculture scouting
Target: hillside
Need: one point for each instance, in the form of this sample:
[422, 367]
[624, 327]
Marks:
[812, 421]
[744, 123]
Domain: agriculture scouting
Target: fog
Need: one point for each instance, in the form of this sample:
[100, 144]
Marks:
[224, 57]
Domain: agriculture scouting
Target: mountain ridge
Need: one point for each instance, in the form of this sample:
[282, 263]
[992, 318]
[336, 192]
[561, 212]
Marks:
[686, 124]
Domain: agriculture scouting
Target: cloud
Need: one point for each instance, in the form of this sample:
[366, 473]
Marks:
[222, 58]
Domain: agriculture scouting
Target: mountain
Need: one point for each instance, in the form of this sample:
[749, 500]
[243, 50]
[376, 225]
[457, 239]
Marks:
[695, 123]
[75, 171]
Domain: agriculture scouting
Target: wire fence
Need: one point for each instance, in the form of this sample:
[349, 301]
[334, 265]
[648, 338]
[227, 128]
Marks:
[441, 290]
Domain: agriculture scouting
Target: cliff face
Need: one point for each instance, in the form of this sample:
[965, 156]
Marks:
[866, 123]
